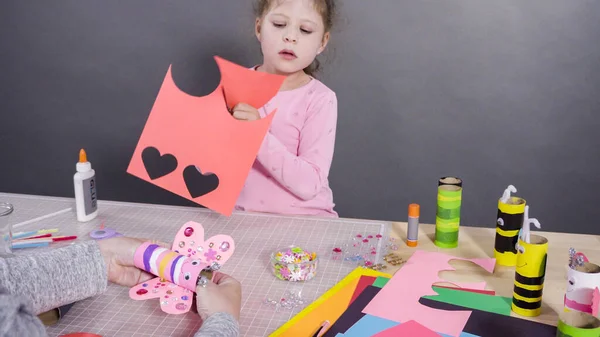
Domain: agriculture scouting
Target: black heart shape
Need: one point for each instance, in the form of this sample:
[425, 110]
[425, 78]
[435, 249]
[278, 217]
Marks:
[197, 183]
[157, 165]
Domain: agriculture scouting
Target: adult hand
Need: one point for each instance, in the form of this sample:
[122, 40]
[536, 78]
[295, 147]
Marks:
[223, 294]
[245, 112]
[118, 255]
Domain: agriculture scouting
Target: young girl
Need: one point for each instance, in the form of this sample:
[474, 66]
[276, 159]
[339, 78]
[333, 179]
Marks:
[290, 174]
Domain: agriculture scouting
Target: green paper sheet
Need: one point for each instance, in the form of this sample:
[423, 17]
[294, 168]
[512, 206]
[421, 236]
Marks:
[380, 282]
[495, 304]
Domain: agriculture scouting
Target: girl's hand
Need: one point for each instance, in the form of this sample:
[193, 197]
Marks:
[118, 256]
[223, 294]
[245, 112]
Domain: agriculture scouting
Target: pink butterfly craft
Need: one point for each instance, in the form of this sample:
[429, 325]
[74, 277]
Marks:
[178, 269]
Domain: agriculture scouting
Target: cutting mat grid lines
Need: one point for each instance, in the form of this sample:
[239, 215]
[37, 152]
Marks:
[255, 235]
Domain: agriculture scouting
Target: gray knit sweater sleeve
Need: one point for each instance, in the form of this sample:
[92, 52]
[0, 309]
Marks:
[31, 284]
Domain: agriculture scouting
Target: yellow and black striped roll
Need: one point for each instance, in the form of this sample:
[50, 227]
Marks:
[529, 276]
[509, 221]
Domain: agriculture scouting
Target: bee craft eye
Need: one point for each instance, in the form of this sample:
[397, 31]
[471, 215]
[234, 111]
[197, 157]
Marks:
[500, 222]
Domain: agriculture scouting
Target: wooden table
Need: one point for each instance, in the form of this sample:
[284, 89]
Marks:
[257, 319]
[477, 242]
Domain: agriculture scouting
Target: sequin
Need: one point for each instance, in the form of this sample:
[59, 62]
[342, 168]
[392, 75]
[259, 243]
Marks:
[188, 231]
[164, 302]
[154, 291]
[170, 292]
[141, 292]
[189, 250]
[192, 243]
[225, 246]
[166, 296]
[194, 253]
[211, 245]
[218, 257]
[200, 249]
[180, 306]
[185, 298]
[145, 285]
[181, 244]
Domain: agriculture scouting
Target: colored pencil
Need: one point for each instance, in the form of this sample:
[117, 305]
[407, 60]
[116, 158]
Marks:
[19, 245]
[21, 235]
[35, 237]
[48, 240]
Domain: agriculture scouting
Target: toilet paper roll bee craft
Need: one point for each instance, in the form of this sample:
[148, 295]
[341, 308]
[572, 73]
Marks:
[530, 270]
[509, 222]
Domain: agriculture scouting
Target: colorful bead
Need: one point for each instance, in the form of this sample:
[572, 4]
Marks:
[225, 246]
[188, 231]
[180, 306]
[181, 244]
[141, 292]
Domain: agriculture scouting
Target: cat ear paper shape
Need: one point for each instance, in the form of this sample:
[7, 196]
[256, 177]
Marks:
[190, 260]
[193, 147]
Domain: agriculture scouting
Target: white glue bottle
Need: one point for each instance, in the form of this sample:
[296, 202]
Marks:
[86, 200]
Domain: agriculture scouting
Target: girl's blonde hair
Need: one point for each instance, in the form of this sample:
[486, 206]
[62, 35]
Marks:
[327, 10]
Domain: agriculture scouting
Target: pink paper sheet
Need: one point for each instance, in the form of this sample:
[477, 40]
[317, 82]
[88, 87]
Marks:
[408, 329]
[399, 299]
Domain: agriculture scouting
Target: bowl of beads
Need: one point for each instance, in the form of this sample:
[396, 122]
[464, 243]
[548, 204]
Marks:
[294, 264]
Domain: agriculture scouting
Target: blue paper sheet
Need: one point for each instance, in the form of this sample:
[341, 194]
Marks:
[371, 325]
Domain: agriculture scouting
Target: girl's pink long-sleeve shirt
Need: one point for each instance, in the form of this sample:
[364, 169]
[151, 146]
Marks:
[290, 173]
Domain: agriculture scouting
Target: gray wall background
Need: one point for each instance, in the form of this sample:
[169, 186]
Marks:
[495, 92]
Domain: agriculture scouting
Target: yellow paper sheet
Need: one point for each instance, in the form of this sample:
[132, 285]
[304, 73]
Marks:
[330, 306]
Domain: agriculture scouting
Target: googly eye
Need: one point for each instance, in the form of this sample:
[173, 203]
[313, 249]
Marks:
[195, 262]
[500, 222]
[187, 276]
[572, 282]
[520, 249]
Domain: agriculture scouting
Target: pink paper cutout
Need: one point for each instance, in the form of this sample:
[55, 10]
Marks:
[408, 329]
[193, 147]
[399, 299]
[595, 302]
[176, 299]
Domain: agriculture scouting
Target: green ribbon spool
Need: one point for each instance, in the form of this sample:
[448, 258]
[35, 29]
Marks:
[577, 324]
[447, 218]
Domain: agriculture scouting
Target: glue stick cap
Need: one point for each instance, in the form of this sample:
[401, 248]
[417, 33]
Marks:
[413, 210]
[83, 165]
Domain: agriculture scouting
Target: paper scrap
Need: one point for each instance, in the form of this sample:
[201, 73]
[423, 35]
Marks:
[479, 291]
[354, 312]
[488, 324]
[408, 329]
[368, 326]
[415, 280]
[497, 304]
[381, 282]
[329, 306]
[363, 282]
[193, 147]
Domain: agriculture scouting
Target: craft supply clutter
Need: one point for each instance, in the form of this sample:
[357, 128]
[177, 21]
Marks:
[394, 287]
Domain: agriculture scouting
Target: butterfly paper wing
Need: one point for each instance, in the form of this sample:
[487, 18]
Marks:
[147, 290]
